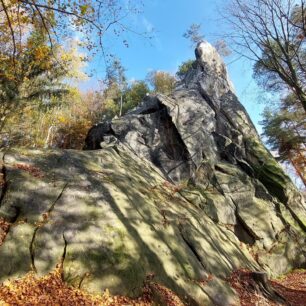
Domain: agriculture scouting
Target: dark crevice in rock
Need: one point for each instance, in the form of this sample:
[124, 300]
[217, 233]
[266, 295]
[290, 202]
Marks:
[174, 168]
[215, 183]
[245, 167]
[243, 232]
[3, 180]
[206, 97]
[247, 228]
[228, 119]
[274, 188]
[173, 144]
[296, 218]
[232, 153]
[96, 134]
[192, 248]
[229, 154]
[117, 150]
[151, 109]
[57, 199]
[220, 169]
[32, 250]
[14, 218]
[279, 213]
[149, 105]
[224, 129]
[267, 178]
[63, 257]
[261, 192]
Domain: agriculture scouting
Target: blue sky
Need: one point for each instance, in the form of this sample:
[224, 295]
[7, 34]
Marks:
[167, 49]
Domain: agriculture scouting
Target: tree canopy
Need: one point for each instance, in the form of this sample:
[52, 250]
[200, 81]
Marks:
[285, 131]
[271, 32]
[91, 19]
[193, 33]
[161, 81]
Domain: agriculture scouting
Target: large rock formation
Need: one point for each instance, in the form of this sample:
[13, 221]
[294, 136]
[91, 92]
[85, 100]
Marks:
[179, 189]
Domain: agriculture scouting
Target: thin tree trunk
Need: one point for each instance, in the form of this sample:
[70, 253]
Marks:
[303, 101]
[301, 97]
[121, 102]
[49, 137]
[298, 170]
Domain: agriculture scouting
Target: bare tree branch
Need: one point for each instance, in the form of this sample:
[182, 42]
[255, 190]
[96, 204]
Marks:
[273, 34]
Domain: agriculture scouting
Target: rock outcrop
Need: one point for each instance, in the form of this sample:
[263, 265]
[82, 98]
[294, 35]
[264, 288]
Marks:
[181, 189]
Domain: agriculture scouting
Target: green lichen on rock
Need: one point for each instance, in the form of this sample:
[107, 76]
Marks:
[273, 177]
[267, 170]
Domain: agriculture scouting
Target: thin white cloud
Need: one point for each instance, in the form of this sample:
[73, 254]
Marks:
[148, 25]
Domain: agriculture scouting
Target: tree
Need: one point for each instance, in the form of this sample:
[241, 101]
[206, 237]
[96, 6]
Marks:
[162, 82]
[34, 88]
[193, 34]
[36, 73]
[184, 68]
[62, 19]
[222, 48]
[116, 79]
[134, 95]
[285, 131]
[272, 33]
[64, 123]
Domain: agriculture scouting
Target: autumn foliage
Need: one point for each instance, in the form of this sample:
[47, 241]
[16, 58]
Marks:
[52, 290]
[291, 288]
[4, 228]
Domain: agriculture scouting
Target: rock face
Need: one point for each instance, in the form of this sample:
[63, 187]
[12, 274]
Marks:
[181, 188]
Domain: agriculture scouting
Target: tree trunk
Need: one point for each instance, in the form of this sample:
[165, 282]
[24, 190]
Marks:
[298, 169]
[304, 104]
[121, 102]
[49, 137]
[263, 285]
[301, 97]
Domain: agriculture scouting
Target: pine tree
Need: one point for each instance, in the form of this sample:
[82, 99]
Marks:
[285, 130]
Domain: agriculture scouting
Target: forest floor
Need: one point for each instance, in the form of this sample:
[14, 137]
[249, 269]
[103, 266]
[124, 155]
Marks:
[291, 287]
[51, 290]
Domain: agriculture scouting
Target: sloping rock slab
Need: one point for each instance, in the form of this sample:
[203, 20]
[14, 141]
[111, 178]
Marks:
[112, 219]
[202, 137]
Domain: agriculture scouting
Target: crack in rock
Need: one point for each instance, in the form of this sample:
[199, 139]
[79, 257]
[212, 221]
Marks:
[40, 224]
[63, 257]
[191, 247]
[32, 251]
[245, 227]
[57, 199]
